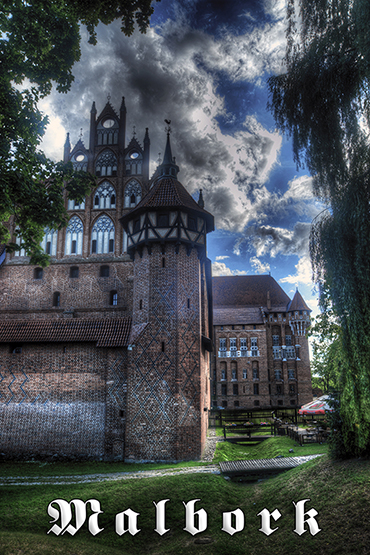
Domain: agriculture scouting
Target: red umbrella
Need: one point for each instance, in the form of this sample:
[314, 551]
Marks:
[318, 406]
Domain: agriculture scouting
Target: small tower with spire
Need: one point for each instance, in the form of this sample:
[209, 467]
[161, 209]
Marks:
[168, 392]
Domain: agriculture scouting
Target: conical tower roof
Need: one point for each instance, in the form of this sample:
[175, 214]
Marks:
[297, 303]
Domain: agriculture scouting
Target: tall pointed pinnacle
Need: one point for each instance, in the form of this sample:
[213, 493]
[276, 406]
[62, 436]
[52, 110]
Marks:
[67, 149]
[168, 166]
[201, 200]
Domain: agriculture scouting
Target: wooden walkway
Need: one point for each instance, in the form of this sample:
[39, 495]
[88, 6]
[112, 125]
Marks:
[261, 467]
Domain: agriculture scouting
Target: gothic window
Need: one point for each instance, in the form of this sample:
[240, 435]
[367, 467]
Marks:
[132, 194]
[18, 241]
[105, 196]
[233, 370]
[56, 298]
[102, 236]
[277, 373]
[74, 236]
[255, 370]
[223, 344]
[243, 344]
[49, 242]
[291, 374]
[133, 162]
[288, 340]
[276, 340]
[254, 347]
[79, 161]
[276, 352]
[233, 344]
[106, 164]
[74, 205]
[108, 132]
[290, 352]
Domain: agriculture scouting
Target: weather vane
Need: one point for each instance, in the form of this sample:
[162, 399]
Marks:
[80, 132]
[134, 131]
[168, 128]
[159, 161]
[108, 96]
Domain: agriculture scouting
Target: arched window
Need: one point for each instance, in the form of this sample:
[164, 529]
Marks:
[113, 298]
[234, 375]
[108, 131]
[133, 162]
[49, 242]
[106, 164]
[79, 161]
[18, 241]
[132, 194]
[102, 236]
[105, 196]
[56, 298]
[74, 235]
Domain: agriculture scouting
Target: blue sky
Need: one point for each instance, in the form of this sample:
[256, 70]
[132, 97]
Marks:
[204, 65]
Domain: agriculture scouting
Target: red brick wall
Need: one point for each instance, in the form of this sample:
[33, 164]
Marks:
[60, 399]
[166, 388]
[89, 294]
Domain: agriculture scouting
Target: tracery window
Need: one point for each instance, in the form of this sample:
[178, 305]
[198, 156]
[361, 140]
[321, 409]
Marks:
[108, 132]
[102, 236]
[106, 164]
[79, 161]
[49, 242]
[132, 194]
[105, 196]
[133, 162]
[74, 236]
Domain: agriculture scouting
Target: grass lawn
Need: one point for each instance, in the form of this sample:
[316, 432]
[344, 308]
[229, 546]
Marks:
[267, 449]
[339, 491]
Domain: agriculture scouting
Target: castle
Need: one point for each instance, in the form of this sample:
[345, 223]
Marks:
[120, 347]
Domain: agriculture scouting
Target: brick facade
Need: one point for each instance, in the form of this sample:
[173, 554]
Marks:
[106, 353]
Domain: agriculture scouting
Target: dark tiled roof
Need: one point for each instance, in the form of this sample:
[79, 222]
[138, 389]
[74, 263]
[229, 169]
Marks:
[239, 291]
[169, 193]
[297, 303]
[106, 333]
[228, 316]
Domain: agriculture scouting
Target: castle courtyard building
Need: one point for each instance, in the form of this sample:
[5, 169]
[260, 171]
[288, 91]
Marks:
[121, 346]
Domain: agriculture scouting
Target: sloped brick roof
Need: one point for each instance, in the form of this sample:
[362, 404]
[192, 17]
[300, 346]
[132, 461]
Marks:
[239, 291]
[114, 332]
[228, 316]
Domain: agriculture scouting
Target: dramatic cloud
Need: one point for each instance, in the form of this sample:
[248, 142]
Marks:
[258, 266]
[220, 269]
[303, 273]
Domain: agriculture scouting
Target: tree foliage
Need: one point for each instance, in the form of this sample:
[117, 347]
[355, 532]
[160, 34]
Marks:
[323, 101]
[39, 44]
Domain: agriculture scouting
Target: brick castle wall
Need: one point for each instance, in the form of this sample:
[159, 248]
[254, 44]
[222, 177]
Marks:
[165, 386]
[68, 400]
